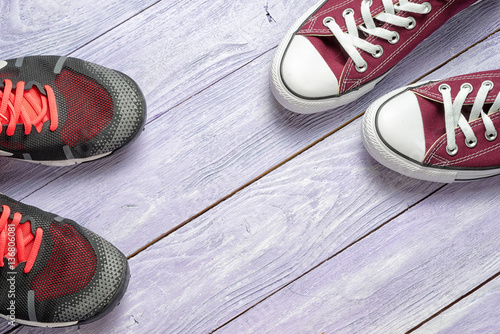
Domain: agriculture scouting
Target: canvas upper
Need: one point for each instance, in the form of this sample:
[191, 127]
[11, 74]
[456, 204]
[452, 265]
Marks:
[446, 125]
[341, 48]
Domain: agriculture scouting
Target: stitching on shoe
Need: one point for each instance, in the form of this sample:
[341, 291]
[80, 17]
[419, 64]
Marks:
[442, 141]
[315, 18]
[427, 89]
[350, 63]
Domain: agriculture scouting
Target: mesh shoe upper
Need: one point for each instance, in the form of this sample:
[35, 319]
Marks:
[75, 277]
[98, 109]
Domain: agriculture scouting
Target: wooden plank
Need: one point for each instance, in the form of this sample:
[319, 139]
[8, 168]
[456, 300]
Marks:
[290, 123]
[59, 27]
[129, 48]
[396, 277]
[208, 147]
[478, 313]
[271, 233]
[261, 238]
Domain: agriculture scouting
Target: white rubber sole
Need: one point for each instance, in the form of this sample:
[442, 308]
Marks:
[390, 159]
[64, 163]
[40, 324]
[300, 105]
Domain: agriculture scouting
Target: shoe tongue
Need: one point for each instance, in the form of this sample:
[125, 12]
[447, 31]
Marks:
[330, 50]
[33, 104]
[314, 25]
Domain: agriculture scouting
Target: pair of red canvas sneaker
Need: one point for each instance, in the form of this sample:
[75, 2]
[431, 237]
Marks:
[340, 49]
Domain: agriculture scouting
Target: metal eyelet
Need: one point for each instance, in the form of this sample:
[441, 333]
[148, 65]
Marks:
[428, 7]
[395, 38]
[491, 136]
[488, 84]
[467, 86]
[444, 87]
[362, 68]
[412, 24]
[348, 11]
[327, 20]
[379, 52]
[471, 143]
[453, 151]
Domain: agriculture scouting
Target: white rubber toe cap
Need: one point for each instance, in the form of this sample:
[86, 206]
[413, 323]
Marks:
[400, 125]
[305, 72]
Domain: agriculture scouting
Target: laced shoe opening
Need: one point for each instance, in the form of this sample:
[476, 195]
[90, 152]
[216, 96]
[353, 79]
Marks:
[31, 108]
[17, 242]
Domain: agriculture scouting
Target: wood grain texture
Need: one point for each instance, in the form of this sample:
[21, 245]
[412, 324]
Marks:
[478, 313]
[267, 235]
[398, 276]
[260, 239]
[32, 27]
[232, 257]
[209, 146]
[275, 230]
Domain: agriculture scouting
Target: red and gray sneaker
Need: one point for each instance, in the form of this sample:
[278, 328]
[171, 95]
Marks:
[53, 272]
[440, 131]
[60, 110]
[340, 49]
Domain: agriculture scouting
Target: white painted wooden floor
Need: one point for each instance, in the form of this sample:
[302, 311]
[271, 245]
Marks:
[241, 217]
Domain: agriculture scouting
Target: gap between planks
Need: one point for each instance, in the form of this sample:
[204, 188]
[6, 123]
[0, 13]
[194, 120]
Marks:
[450, 305]
[187, 221]
[116, 26]
[273, 169]
[332, 256]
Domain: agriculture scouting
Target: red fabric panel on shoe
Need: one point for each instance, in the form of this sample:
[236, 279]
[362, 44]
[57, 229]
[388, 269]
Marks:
[485, 154]
[431, 90]
[433, 120]
[328, 48]
[89, 107]
[71, 266]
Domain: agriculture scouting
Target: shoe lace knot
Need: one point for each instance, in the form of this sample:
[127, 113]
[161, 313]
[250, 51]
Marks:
[351, 41]
[454, 117]
[17, 242]
[31, 108]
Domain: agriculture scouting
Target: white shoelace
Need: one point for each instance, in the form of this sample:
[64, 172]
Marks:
[351, 40]
[454, 117]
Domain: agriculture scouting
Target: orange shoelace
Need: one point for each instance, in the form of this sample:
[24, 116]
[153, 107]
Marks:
[17, 243]
[28, 107]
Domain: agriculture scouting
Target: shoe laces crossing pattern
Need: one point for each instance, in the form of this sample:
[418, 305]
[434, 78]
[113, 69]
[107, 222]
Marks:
[454, 117]
[351, 41]
[29, 107]
[17, 242]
